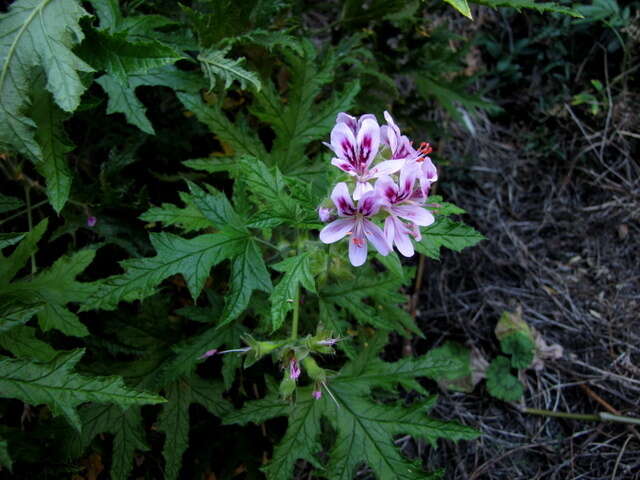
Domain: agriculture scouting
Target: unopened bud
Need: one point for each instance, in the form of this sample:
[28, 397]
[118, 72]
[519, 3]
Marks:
[287, 387]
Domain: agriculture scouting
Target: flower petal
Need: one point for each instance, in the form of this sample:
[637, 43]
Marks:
[389, 229]
[376, 236]
[368, 141]
[387, 189]
[369, 203]
[414, 213]
[336, 230]
[348, 120]
[343, 143]
[402, 240]
[342, 200]
[388, 137]
[407, 180]
[386, 168]
[361, 189]
[343, 165]
[357, 247]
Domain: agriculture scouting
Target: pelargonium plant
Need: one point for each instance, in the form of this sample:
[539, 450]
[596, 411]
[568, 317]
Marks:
[365, 151]
[126, 297]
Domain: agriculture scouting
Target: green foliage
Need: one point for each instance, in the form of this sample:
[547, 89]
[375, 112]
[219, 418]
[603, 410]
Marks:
[55, 384]
[516, 339]
[462, 6]
[7, 204]
[216, 66]
[541, 7]
[501, 383]
[192, 258]
[152, 268]
[449, 234]
[297, 273]
[174, 418]
[364, 428]
[40, 34]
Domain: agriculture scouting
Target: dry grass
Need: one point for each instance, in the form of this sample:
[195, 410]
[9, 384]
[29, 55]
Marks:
[562, 243]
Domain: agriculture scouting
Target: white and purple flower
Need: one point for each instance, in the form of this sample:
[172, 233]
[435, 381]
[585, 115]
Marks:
[356, 143]
[356, 223]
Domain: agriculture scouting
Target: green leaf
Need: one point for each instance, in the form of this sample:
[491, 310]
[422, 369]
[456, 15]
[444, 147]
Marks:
[5, 458]
[501, 383]
[365, 430]
[237, 134]
[55, 384]
[516, 339]
[12, 265]
[55, 288]
[462, 6]
[188, 218]
[189, 352]
[541, 7]
[192, 258]
[8, 239]
[13, 312]
[23, 343]
[442, 208]
[450, 94]
[248, 273]
[372, 299]
[300, 120]
[270, 192]
[216, 208]
[54, 145]
[174, 418]
[119, 57]
[126, 426]
[297, 272]
[449, 234]
[38, 33]
[216, 66]
[122, 98]
[7, 204]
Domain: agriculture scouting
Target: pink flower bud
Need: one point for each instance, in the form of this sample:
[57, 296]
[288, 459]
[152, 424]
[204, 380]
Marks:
[91, 221]
[209, 353]
[294, 369]
[325, 214]
[316, 394]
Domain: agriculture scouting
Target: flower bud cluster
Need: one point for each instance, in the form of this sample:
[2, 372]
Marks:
[391, 181]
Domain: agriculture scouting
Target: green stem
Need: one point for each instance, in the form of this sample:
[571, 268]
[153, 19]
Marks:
[573, 416]
[30, 221]
[15, 215]
[296, 315]
[589, 417]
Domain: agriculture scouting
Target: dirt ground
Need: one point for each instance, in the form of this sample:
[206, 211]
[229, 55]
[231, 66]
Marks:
[562, 245]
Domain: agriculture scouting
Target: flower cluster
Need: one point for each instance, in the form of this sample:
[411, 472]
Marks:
[391, 181]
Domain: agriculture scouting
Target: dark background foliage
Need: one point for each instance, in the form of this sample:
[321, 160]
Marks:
[534, 120]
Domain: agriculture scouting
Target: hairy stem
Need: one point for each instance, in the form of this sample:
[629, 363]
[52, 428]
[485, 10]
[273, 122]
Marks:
[296, 315]
[590, 417]
[27, 194]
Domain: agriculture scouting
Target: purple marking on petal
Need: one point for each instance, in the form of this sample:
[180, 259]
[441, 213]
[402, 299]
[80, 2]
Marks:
[342, 200]
[369, 203]
[368, 141]
[343, 142]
